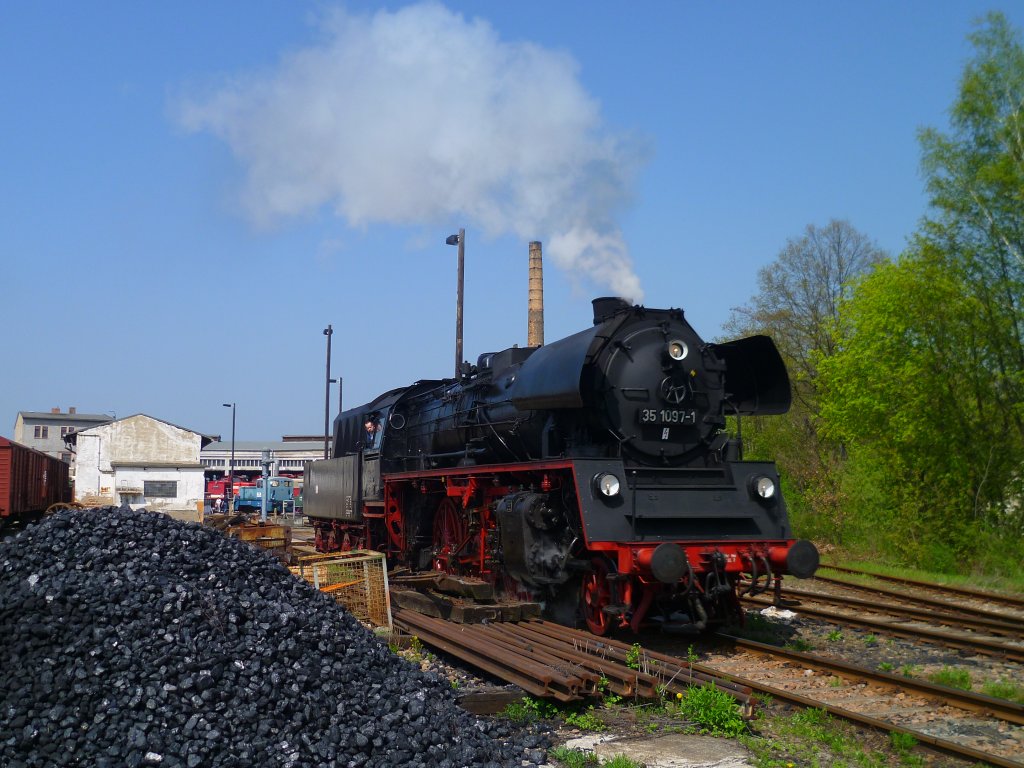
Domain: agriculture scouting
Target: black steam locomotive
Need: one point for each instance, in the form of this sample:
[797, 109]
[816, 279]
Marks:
[593, 474]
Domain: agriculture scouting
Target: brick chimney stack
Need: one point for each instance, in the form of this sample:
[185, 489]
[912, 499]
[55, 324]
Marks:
[535, 306]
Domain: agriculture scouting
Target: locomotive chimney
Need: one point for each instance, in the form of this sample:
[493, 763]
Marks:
[535, 307]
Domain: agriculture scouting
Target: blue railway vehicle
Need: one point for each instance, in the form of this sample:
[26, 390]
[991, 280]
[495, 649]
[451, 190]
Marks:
[279, 498]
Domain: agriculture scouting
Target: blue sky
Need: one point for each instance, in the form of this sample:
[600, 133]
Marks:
[192, 191]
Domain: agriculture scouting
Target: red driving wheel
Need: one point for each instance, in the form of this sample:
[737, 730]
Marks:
[595, 594]
[449, 535]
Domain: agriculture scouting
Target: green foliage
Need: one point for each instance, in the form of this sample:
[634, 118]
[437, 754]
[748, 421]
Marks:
[621, 761]
[909, 670]
[835, 636]
[530, 710]
[952, 677]
[712, 710]
[885, 666]
[925, 384]
[1004, 689]
[584, 719]
[799, 644]
[633, 656]
[520, 712]
[811, 738]
[902, 742]
[573, 758]
[870, 640]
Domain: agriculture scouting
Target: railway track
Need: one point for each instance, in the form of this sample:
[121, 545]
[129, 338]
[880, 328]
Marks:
[943, 614]
[901, 623]
[549, 660]
[971, 726]
[546, 659]
[1011, 601]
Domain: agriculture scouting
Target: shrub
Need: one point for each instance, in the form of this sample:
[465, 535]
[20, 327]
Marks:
[713, 710]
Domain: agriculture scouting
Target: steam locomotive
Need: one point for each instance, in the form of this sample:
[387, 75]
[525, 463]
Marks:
[593, 474]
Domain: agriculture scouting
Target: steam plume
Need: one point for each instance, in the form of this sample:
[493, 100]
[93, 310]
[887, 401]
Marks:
[420, 116]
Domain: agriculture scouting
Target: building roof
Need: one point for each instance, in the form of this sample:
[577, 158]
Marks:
[46, 415]
[271, 445]
[206, 438]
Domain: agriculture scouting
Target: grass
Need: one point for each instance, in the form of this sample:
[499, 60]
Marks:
[574, 758]
[621, 761]
[952, 677]
[530, 710]
[1013, 584]
[778, 737]
[799, 644]
[810, 738]
[577, 758]
[712, 710]
[1004, 689]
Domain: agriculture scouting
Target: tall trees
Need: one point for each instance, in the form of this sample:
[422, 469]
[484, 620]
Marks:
[927, 383]
[976, 181]
[797, 305]
[799, 296]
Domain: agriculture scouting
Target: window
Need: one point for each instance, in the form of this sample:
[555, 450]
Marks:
[66, 458]
[160, 489]
[42, 433]
[65, 431]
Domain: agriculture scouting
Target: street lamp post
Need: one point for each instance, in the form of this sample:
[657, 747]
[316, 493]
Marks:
[231, 481]
[328, 332]
[459, 240]
[340, 382]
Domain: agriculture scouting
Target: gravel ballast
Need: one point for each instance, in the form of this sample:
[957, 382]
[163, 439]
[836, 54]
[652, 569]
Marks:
[129, 639]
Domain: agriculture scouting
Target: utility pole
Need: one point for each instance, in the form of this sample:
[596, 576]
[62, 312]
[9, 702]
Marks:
[231, 482]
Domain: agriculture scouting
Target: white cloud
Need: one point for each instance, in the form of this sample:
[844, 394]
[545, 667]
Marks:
[420, 116]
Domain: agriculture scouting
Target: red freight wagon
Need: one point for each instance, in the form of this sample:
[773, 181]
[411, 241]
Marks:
[30, 481]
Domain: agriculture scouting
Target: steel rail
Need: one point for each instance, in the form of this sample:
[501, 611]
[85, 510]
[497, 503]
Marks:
[586, 681]
[672, 672]
[1015, 629]
[1001, 709]
[542, 669]
[943, 604]
[980, 645]
[982, 594]
[622, 681]
[942, 745]
[529, 679]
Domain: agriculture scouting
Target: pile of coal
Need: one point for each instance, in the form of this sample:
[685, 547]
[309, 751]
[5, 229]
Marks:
[130, 639]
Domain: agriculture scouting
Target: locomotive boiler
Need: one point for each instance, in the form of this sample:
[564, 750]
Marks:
[594, 474]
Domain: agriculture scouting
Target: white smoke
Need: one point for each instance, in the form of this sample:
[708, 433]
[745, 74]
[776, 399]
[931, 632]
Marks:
[419, 116]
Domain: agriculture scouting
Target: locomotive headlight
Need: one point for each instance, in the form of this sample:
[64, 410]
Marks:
[677, 349]
[607, 484]
[763, 488]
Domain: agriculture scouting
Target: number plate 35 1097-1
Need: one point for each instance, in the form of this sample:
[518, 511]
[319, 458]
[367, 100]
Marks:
[662, 416]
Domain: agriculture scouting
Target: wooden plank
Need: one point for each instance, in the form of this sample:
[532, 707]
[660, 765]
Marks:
[489, 702]
[419, 602]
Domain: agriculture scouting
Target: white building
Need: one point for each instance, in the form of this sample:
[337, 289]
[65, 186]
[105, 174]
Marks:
[141, 461]
[46, 431]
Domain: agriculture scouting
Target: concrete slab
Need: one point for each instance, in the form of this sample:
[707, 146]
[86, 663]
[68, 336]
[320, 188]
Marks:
[669, 750]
